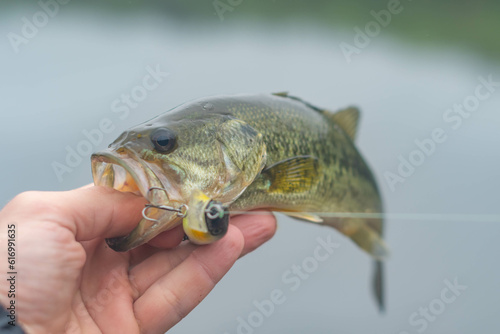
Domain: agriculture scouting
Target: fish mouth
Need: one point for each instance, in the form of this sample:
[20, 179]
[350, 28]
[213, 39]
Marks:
[124, 171]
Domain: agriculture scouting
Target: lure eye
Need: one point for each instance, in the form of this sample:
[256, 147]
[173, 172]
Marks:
[163, 140]
[217, 218]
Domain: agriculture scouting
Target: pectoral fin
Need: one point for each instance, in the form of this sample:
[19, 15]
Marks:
[296, 174]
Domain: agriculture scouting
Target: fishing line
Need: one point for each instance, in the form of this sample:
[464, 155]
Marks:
[443, 217]
[485, 218]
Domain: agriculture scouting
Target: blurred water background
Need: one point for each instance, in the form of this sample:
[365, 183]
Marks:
[61, 80]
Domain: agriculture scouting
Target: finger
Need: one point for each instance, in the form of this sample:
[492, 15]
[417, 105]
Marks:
[257, 229]
[174, 295]
[102, 212]
[146, 273]
[88, 213]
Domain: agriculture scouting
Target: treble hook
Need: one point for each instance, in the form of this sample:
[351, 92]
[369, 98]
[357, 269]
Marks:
[213, 210]
[181, 211]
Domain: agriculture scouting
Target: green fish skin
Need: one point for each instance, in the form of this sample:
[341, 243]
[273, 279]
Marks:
[265, 151]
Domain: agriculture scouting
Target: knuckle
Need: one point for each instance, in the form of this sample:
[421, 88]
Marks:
[38, 206]
[206, 270]
[35, 202]
[174, 303]
[268, 226]
[27, 197]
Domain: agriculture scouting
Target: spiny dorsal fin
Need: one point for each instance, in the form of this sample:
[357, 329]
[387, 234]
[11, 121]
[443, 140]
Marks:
[347, 119]
[282, 94]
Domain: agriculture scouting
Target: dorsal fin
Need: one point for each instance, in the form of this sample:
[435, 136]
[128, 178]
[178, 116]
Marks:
[282, 94]
[347, 119]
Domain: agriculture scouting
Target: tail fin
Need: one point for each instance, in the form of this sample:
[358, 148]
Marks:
[368, 236]
[378, 274]
[378, 285]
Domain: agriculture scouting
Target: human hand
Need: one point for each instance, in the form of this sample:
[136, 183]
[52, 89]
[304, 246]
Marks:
[70, 281]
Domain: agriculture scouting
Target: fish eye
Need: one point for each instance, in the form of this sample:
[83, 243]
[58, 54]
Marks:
[163, 140]
[217, 218]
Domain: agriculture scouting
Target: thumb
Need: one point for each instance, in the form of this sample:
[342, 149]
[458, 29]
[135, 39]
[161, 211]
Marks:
[100, 212]
[93, 212]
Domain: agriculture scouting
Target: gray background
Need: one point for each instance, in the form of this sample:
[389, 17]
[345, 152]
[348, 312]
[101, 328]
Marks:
[65, 79]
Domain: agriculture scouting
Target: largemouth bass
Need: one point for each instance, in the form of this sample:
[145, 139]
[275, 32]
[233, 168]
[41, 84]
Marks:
[245, 152]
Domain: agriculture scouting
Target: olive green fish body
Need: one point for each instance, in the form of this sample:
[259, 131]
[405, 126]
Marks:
[244, 152]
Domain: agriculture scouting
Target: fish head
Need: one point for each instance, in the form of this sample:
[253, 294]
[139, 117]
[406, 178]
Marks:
[169, 159]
